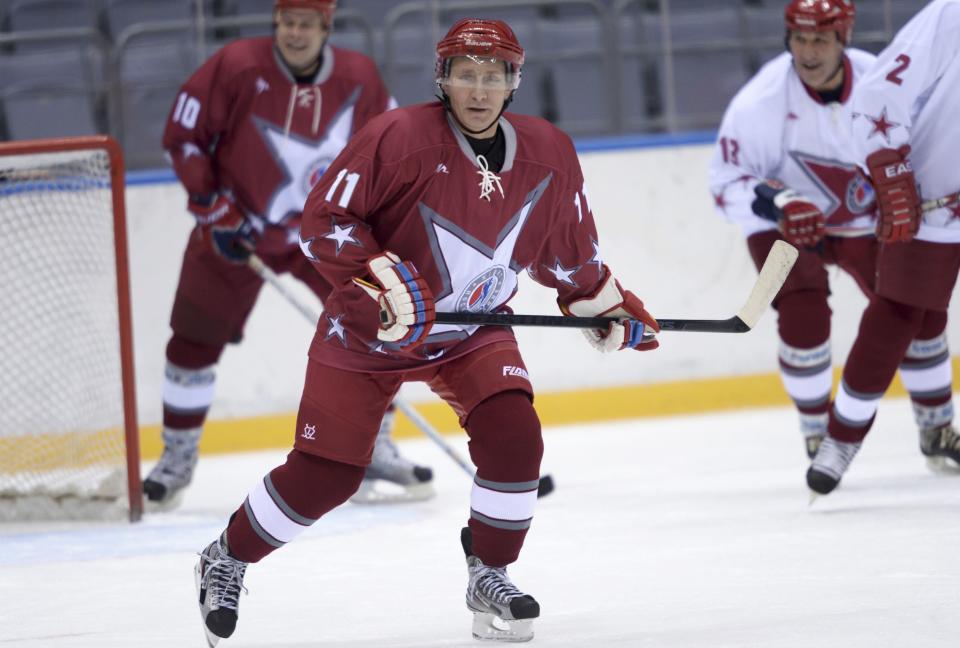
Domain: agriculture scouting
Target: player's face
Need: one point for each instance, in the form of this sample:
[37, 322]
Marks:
[299, 36]
[477, 89]
[817, 57]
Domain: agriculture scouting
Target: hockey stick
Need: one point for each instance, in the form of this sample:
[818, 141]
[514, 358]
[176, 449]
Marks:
[772, 275]
[937, 203]
[545, 486]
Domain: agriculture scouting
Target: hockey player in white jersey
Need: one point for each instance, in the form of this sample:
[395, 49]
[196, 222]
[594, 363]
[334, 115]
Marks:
[783, 169]
[906, 136]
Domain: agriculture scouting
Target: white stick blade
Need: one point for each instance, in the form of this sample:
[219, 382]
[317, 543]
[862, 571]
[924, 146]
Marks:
[772, 275]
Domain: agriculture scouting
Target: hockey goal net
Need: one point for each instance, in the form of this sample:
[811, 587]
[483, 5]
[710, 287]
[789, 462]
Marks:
[69, 446]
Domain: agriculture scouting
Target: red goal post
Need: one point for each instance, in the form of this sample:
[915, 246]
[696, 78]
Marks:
[69, 439]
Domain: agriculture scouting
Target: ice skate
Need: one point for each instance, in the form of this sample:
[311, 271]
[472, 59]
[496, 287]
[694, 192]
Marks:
[390, 478]
[831, 461]
[941, 446]
[501, 612]
[219, 579]
[164, 487]
[812, 443]
[814, 429]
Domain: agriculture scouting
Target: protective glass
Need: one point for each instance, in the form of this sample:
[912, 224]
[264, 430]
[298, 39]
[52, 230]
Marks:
[488, 73]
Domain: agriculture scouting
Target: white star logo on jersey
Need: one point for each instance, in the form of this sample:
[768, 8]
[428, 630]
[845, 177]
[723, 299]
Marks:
[305, 248]
[188, 150]
[596, 256]
[342, 236]
[303, 160]
[475, 277]
[563, 275]
[262, 85]
[335, 328]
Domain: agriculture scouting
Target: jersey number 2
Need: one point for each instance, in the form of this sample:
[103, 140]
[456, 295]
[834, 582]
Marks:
[894, 76]
[352, 180]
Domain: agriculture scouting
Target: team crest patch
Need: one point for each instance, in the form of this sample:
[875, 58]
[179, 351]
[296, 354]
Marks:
[481, 292]
[860, 194]
[314, 172]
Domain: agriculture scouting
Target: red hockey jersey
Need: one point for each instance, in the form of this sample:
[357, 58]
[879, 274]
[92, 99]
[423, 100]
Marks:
[242, 124]
[410, 183]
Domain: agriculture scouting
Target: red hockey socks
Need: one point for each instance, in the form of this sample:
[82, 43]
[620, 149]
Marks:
[806, 363]
[886, 331]
[287, 501]
[188, 383]
[506, 446]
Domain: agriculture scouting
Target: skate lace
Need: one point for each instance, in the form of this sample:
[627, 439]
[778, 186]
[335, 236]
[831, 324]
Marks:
[949, 440]
[834, 457]
[488, 179]
[493, 583]
[223, 580]
[174, 463]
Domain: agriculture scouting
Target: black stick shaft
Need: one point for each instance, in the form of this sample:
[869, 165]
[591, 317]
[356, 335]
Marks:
[732, 325]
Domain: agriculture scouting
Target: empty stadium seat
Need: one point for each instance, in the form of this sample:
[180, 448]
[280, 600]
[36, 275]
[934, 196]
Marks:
[51, 14]
[121, 14]
[574, 51]
[32, 112]
[149, 77]
[709, 65]
[51, 93]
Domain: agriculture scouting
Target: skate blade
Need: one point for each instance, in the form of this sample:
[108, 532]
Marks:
[379, 491]
[941, 465]
[490, 627]
[212, 639]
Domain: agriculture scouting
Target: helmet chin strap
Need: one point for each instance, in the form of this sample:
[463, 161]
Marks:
[445, 100]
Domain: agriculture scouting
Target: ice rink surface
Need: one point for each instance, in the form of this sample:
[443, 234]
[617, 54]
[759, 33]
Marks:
[668, 533]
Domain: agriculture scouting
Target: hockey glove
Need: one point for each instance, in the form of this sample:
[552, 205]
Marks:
[898, 204]
[223, 226]
[637, 328]
[799, 220]
[407, 310]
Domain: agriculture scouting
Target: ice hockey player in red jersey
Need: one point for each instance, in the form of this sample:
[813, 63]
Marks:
[905, 136]
[249, 134]
[435, 207]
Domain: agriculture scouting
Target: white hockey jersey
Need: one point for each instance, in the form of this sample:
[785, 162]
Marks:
[775, 128]
[912, 96]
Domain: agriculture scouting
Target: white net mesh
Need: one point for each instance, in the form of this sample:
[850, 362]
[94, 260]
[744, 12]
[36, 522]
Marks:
[62, 449]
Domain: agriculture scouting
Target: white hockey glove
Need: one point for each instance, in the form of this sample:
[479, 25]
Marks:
[637, 328]
[406, 303]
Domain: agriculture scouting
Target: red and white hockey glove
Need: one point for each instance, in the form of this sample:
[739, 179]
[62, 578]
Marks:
[407, 311]
[799, 220]
[223, 226]
[898, 204]
[637, 328]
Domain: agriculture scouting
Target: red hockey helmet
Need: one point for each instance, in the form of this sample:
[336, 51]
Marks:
[821, 16]
[325, 7]
[491, 39]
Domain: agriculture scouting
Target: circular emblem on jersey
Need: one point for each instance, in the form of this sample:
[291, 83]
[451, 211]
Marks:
[482, 291]
[314, 172]
[860, 194]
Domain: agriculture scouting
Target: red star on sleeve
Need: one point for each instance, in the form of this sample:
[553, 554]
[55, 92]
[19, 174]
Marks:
[720, 202]
[881, 125]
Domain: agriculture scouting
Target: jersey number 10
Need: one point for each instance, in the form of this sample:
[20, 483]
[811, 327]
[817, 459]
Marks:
[186, 111]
